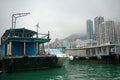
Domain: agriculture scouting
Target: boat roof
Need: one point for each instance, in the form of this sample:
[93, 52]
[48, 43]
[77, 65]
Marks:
[23, 31]
[7, 32]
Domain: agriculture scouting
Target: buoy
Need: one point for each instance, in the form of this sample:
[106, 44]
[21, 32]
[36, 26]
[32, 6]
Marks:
[86, 57]
[99, 57]
[76, 58]
[71, 57]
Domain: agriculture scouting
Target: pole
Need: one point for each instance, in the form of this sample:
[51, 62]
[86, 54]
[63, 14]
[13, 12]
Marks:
[24, 48]
[48, 48]
[37, 32]
[37, 29]
[37, 48]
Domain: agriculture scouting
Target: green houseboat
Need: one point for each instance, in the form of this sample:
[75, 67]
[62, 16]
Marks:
[23, 49]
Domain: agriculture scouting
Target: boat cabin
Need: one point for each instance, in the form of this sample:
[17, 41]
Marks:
[19, 42]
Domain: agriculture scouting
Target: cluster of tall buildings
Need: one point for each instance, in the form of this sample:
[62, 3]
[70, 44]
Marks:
[98, 32]
[105, 32]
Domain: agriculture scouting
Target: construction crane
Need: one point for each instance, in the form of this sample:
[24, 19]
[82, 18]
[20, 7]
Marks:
[14, 17]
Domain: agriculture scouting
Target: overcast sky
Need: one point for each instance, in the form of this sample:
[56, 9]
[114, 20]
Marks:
[61, 17]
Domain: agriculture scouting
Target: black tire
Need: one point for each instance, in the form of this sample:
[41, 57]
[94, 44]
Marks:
[9, 67]
[47, 61]
[39, 60]
[54, 60]
[25, 60]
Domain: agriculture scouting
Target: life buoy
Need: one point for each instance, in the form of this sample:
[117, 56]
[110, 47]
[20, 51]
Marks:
[25, 60]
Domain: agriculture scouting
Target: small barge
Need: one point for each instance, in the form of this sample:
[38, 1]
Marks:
[108, 54]
[25, 52]
[23, 49]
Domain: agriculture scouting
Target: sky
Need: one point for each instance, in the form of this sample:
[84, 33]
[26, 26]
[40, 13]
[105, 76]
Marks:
[61, 17]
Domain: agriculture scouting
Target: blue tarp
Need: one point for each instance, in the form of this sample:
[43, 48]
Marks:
[30, 48]
[2, 50]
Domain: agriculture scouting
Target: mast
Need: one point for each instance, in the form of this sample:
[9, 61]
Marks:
[37, 28]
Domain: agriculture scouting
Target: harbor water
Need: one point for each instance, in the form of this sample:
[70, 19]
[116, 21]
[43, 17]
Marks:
[70, 71]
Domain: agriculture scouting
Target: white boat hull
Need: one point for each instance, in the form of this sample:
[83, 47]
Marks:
[61, 57]
[61, 61]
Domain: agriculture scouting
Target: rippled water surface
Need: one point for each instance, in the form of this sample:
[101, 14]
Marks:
[71, 71]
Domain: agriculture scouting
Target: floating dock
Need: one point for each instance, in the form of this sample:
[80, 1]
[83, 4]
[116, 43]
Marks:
[107, 54]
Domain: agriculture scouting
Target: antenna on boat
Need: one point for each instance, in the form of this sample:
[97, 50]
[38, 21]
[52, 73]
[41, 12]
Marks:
[14, 17]
[37, 28]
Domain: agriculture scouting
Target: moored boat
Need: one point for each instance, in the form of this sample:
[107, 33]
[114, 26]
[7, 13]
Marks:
[25, 52]
[107, 54]
[23, 49]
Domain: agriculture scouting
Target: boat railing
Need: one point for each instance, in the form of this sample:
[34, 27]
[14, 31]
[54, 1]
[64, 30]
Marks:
[35, 36]
[24, 35]
[40, 35]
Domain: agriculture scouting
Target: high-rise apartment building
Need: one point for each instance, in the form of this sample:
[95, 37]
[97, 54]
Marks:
[117, 32]
[107, 32]
[97, 21]
[101, 33]
[89, 29]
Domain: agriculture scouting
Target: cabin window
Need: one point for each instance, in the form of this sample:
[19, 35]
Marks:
[20, 35]
[25, 35]
[28, 35]
[16, 34]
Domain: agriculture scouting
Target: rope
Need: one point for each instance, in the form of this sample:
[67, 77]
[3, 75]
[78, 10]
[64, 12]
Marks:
[33, 19]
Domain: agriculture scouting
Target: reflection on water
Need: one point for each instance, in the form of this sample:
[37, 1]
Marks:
[71, 71]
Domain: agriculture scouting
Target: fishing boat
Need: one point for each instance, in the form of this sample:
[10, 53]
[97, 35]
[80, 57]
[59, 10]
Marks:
[23, 49]
[107, 54]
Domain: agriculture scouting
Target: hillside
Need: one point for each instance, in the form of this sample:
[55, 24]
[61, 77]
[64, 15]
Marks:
[77, 36]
